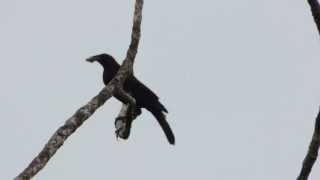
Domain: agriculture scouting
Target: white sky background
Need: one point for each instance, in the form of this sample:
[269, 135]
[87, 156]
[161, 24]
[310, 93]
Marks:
[240, 80]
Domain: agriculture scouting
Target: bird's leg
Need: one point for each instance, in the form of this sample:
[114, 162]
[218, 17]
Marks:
[127, 114]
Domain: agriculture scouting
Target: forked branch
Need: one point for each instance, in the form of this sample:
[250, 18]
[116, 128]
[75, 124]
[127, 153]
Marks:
[81, 115]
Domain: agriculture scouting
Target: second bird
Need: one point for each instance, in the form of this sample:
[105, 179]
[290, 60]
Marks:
[144, 97]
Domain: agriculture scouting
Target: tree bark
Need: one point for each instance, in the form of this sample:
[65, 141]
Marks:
[82, 114]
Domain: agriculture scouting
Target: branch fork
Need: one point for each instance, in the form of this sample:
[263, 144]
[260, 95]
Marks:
[82, 114]
[127, 114]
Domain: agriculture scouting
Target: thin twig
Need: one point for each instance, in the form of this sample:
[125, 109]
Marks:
[315, 10]
[312, 154]
[81, 115]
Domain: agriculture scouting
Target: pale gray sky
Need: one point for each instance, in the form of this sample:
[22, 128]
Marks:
[240, 80]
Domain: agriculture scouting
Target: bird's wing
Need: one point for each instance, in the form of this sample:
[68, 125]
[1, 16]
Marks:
[143, 89]
[144, 94]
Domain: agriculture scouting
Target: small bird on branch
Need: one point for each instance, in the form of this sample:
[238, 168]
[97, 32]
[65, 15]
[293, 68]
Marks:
[144, 97]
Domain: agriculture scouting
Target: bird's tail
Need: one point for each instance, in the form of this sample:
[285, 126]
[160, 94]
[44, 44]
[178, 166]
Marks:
[161, 118]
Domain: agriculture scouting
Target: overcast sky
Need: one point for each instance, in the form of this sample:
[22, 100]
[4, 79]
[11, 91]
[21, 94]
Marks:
[239, 78]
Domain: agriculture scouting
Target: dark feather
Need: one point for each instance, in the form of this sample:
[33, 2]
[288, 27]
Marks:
[144, 97]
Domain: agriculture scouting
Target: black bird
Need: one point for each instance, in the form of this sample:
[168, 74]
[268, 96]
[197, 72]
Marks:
[144, 97]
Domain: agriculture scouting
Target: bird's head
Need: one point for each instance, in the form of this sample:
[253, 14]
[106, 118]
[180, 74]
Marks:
[106, 60]
[100, 58]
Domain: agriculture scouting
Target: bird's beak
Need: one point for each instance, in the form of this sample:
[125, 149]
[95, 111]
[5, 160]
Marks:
[91, 59]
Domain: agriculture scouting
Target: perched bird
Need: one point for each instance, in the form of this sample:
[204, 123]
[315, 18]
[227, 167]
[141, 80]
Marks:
[144, 97]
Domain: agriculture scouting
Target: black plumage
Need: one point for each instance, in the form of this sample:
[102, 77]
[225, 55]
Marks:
[144, 97]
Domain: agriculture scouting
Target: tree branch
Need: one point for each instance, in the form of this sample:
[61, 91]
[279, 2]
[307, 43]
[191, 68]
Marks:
[312, 154]
[81, 115]
[123, 123]
[126, 116]
[315, 10]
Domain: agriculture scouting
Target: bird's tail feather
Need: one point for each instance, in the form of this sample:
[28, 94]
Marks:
[163, 108]
[161, 118]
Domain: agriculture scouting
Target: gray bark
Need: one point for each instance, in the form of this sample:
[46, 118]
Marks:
[123, 122]
[82, 114]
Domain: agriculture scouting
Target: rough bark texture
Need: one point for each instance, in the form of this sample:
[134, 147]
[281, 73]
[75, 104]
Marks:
[312, 154]
[123, 122]
[81, 115]
[315, 10]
